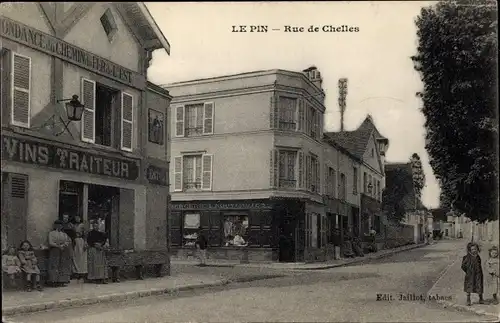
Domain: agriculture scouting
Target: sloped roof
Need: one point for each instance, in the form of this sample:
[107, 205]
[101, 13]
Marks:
[356, 141]
[398, 176]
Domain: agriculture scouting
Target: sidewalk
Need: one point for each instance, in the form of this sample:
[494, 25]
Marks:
[75, 294]
[451, 283]
[302, 265]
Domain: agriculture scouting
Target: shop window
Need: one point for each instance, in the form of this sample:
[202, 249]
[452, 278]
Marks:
[235, 230]
[70, 199]
[191, 226]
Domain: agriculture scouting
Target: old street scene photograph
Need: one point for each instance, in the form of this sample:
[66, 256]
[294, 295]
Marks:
[249, 161]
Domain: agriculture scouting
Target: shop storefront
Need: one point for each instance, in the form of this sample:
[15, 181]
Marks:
[268, 230]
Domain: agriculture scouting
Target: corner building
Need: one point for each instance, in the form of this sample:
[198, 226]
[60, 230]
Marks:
[250, 159]
[108, 167]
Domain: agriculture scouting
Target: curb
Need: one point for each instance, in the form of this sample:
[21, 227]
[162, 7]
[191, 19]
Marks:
[464, 308]
[361, 260]
[456, 306]
[118, 297]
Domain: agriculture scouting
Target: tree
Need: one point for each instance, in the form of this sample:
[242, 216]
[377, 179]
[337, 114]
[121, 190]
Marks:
[418, 174]
[456, 59]
[396, 193]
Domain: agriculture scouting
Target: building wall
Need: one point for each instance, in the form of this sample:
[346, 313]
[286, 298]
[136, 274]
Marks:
[28, 13]
[123, 49]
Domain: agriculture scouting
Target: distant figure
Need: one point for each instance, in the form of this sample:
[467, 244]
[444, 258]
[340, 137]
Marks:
[493, 278]
[11, 265]
[201, 246]
[471, 265]
[337, 242]
[347, 246]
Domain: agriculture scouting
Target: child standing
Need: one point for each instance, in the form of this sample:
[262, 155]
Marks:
[471, 265]
[11, 265]
[493, 269]
[29, 264]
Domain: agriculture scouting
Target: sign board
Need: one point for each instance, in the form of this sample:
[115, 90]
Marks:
[51, 45]
[156, 175]
[219, 206]
[43, 154]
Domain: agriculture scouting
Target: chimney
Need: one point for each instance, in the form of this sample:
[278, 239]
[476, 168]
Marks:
[314, 76]
[342, 100]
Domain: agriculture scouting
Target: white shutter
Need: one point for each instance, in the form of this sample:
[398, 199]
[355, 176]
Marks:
[88, 118]
[178, 173]
[127, 132]
[208, 118]
[207, 167]
[21, 91]
[179, 121]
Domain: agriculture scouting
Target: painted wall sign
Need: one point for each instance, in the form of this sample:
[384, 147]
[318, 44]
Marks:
[38, 153]
[156, 175]
[219, 206]
[51, 45]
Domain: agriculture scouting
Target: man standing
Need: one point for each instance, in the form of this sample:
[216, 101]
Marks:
[201, 247]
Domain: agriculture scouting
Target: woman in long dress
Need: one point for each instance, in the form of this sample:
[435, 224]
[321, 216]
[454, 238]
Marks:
[79, 250]
[60, 256]
[97, 262]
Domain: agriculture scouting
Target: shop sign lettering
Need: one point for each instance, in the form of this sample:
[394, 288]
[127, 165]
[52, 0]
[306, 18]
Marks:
[53, 46]
[219, 206]
[37, 153]
[156, 175]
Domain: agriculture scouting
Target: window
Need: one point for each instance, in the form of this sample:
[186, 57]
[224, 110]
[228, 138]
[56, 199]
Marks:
[194, 119]
[314, 118]
[105, 112]
[377, 223]
[354, 180]
[373, 152]
[379, 191]
[235, 230]
[287, 113]
[287, 161]
[191, 226]
[108, 23]
[312, 173]
[21, 91]
[324, 231]
[193, 172]
[370, 185]
[330, 187]
[342, 187]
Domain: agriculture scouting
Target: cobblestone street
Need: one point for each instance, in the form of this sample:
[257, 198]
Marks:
[335, 294]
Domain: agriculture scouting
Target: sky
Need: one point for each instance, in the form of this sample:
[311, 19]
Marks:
[376, 59]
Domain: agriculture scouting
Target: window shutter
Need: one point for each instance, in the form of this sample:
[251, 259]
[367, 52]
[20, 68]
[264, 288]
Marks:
[273, 168]
[127, 121]
[301, 116]
[208, 118]
[301, 169]
[321, 120]
[317, 178]
[207, 167]
[16, 208]
[274, 114]
[178, 173]
[179, 121]
[308, 172]
[88, 119]
[21, 86]
[126, 225]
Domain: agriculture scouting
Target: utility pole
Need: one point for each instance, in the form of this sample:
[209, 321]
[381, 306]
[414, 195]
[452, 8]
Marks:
[342, 100]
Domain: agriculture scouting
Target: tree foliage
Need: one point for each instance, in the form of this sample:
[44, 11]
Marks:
[396, 193]
[457, 61]
[418, 174]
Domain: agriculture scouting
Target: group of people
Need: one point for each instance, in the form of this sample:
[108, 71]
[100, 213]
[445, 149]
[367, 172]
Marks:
[473, 269]
[73, 253]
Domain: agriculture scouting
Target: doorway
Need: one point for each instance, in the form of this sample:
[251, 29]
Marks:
[103, 207]
[287, 240]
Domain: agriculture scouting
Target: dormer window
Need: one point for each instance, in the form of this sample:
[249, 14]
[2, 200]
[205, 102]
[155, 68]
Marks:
[109, 24]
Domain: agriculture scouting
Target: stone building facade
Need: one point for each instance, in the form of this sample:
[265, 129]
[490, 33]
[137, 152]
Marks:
[112, 165]
[250, 159]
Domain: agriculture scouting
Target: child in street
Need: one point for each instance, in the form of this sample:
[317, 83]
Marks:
[493, 278]
[29, 264]
[11, 265]
[471, 265]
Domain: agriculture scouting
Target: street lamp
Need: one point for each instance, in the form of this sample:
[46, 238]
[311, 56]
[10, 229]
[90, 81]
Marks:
[74, 109]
